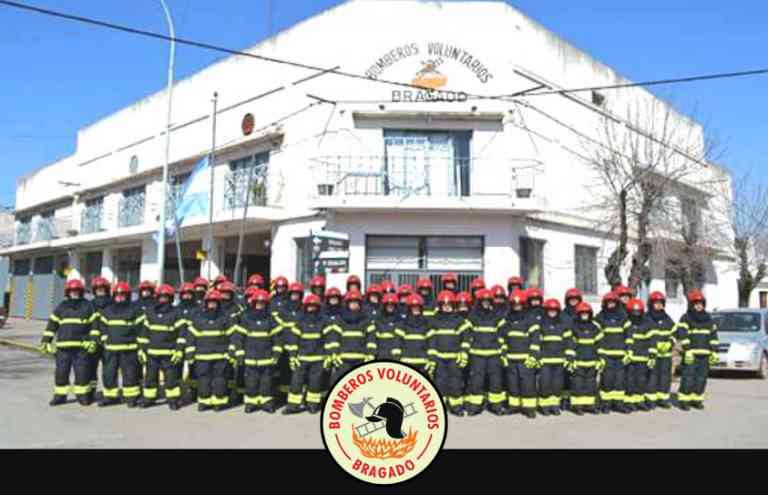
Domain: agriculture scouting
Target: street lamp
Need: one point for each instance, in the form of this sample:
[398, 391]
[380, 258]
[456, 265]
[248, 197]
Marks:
[164, 197]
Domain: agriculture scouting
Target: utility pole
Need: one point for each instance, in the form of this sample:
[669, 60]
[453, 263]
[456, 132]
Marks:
[164, 196]
[211, 164]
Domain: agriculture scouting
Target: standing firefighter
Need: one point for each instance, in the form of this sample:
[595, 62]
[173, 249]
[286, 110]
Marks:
[426, 291]
[372, 304]
[258, 348]
[209, 347]
[353, 283]
[386, 326]
[486, 359]
[556, 355]
[70, 325]
[163, 324]
[587, 362]
[118, 331]
[613, 350]
[535, 298]
[279, 296]
[642, 352]
[288, 312]
[230, 307]
[308, 357]
[500, 303]
[354, 332]
[317, 286]
[413, 334]
[697, 333]
[102, 297]
[146, 295]
[450, 282]
[464, 304]
[201, 287]
[663, 329]
[513, 284]
[403, 293]
[188, 305]
[521, 345]
[447, 349]
[332, 307]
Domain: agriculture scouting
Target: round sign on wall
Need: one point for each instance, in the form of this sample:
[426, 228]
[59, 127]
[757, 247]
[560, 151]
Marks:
[248, 124]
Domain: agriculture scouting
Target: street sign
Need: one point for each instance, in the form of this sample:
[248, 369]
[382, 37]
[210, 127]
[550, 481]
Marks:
[330, 252]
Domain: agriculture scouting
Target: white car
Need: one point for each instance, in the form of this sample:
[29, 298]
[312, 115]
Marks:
[743, 336]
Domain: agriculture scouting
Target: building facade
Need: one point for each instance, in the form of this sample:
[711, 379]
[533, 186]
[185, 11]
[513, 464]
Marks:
[424, 178]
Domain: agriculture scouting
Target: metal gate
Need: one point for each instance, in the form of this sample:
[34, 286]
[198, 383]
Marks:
[43, 283]
[21, 283]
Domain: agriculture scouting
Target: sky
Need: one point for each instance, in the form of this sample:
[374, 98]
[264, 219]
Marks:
[59, 76]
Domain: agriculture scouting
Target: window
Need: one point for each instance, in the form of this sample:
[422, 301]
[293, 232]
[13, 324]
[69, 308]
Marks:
[532, 261]
[22, 268]
[403, 259]
[92, 216]
[304, 260]
[129, 265]
[45, 230]
[132, 207]
[244, 174]
[44, 265]
[24, 231]
[691, 214]
[585, 265]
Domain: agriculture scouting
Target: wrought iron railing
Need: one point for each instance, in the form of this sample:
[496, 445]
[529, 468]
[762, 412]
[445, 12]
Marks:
[399, 277]
[92, 220]
[45, 230]
[131, 211]
[236, 187]
[424, 175]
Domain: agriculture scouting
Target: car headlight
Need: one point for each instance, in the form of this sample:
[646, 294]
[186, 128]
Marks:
[744, 349]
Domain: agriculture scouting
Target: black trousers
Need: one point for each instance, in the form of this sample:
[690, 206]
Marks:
[93, 371]
[613, 381]
[283, 375]
[583, 387]
[258, 384]
[309, 375]
[126, 363]
[637, 382]
[693, 383]
[521, 385]
[212, 379]
[67, 360]
[347, 365]
[484, 370]
[661, 379]
[551, 379]
[449, 379]
[171, 377]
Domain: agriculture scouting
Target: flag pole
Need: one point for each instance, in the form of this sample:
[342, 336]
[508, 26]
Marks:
[163, 199]
[211, 163]
[242, 225]
[178, 240]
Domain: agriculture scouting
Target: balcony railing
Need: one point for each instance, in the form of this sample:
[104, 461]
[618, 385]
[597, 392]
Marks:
[45, 230]
[399, 277]
[131, 211]
[424, 176]
[92, 220]
[23, 234]
[236, 187]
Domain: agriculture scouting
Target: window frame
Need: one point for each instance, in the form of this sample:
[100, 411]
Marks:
[523, 270]
[594, 275]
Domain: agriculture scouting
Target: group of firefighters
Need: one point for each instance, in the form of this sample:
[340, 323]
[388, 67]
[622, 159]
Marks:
[507, 350]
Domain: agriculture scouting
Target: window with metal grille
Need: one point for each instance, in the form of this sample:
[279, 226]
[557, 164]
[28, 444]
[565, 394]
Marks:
[22, 268]
[247, 177]
[585, 267]
[304, 267]
[24, 231]
[92, 216]
[532, 261]
[132, 207]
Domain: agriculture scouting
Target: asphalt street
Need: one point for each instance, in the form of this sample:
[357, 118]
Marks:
[736, 417]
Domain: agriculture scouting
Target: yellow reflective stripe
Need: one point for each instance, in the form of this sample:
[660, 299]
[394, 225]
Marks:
[311, 358]
[585, 341]
[464, 326]
[611, 352]
[535, 347]
[385, 335]
[701, 352]
[81, 389]
[73, 321]
[414, 336]
[150, 393]
[160, 352]
[551, 338]
[259, 335]
[291, 347]
[190, 349]
[699, 332]
[586, 364]
[332, 345]
[552, 360]
[570, 352]
[413, 360]
[613, 330]
[125, 323]
[518, 357]
[159, 328]
[49, 334]
[311, 336]
[259, 362]
[371, 345]
[121, 347]
[641, 336]
[485, 329]
[485, 352]
[210, 357]
[331, 328]
[352, 355]
[353, 334]
[94, 333]
[70, 344]
[444, 355]
[142, 340]
[567, 334]
[61, 390]
[54, 318]
[442, 331]
[515, 333]
[131, 392]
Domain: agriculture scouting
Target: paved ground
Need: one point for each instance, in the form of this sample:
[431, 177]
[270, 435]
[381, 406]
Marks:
[736, 416]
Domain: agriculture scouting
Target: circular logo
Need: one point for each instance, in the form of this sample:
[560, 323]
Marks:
[247, 124]
[384, 422]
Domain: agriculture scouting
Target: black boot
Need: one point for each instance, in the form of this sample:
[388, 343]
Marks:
[556, 410]
[91, 396]
[664, 404]
[642, 407]
[498, 410]
[514, 410]
[292, 409]
[605, 408]
[697, 404]
[474, 410]
[191, 396]
[146, 403]
[577, 411]
[270, 407]
[173, 405]
[591, 409]
[108, 402]
[132, 402]
[313, 408]
[58, 400]
[251, 408]
[529, 413]
[544, 411]
[652, 405]
[203, 407]
[84, 400]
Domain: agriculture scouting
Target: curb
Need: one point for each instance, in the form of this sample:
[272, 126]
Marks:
[19, 345]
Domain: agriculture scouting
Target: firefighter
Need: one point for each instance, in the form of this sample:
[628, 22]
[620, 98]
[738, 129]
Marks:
[233, 310]
[188, 306]
[258, 347]
[308, 357]
[102, 297]
[387, 287]
[534, 298]
[500, 303]
[118, 331]
[386, 327]
[317, 286]
[218, 281]
[513, 284]
[613, 350]
[353, 283]
[279, 295]
[625, 295]
[474, 286]
[412, 331]
[427, 292]
[332, 307]
[229, 305]
[201, 287]
[642, 352]
[486, 359]
[146, 295]
[286, 316]
[521, 347]
[463, 303]
[573, 297]
[450, 282]
[372, 300]
[587, 362]
[70, 325]
[663, 329]
[163, 325]
[697, 334]
[403, 292]
[447, 344]
[209, 345]
[557, 355]
[256, 281]
[355, 333]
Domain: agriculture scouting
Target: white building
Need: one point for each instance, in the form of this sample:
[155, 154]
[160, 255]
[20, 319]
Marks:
[477, 186]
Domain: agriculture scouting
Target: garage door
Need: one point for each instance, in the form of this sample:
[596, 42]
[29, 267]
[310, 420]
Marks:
[43, 288]
[20, 284]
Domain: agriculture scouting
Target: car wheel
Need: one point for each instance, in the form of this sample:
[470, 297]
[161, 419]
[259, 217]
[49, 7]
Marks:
[762, 371]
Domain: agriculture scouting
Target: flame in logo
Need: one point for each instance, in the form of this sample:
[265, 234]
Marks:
[429, 77]
[384, 448]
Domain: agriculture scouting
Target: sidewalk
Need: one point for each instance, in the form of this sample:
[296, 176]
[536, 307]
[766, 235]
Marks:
[21, 333]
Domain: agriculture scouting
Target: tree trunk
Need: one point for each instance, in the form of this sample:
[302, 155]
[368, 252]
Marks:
[612, 269]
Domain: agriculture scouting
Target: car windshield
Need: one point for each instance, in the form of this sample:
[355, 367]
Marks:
[737, 322]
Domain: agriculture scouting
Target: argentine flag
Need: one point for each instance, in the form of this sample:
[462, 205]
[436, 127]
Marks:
[194, 198]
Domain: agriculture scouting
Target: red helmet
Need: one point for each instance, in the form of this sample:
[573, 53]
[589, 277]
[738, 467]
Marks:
[610, 296]
[353, 279]
[424, 283]
[573, 294]
[259, 295]
[166, 290]
[256, 280]
[583, 307]
[373, 289]
[387, 287]
[281, 282]
[534, 293]
[552, 304]
[623, 290]
[477, 283]
[296, 287]
[414, 300]
[446, 297]
[464, 297]
[73, 285]
[514, 281]
[332, 292]
[122, 288]
[312, 300]
[390, 299]
[220, 279]
[353, 295]
[635, 305]
[518, 297]
[404, 290]
[187, 288]
[249, 292]
[227, 286]
[100, 283]
[483, 294]
[695, 296]
[449, 277]
[147, 285]
[200, 282]
[317, 281]
[498, 291]
[657, 296]
[213, 295]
